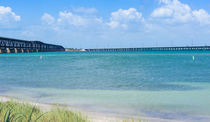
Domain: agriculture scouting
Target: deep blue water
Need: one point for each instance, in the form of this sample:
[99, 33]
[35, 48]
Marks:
[162, 79]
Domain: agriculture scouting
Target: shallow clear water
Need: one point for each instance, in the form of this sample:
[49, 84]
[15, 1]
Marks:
[158, 84]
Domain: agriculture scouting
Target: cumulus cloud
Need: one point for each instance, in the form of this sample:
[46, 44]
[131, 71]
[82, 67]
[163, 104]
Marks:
[7, 16]
[174, 11]
[201, 16]
[122, 18]
[71, 19]
[47, 18]
[164, 1]
[119, 19]
[67, 19]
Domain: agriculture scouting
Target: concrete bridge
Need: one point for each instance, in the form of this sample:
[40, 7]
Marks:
[154, 49]
[9, 45]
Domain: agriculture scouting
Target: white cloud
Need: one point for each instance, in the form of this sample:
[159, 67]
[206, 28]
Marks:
[85, 10]
[113, 24]
[122, 18]
[201, 16]
[126, 15]
[47, 18]
[67, 20]
[7, 16]
[71, 19]
[174, 11]
[164, 1]
[162, 12]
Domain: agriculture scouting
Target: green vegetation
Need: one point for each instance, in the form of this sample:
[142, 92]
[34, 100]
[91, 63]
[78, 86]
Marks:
[21, 112]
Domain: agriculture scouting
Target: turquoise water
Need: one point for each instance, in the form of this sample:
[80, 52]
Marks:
[158, 84]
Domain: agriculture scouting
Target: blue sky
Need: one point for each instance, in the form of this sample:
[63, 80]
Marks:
[108, 23]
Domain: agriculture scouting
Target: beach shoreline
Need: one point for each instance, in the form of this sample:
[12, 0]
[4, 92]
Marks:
[91, 115]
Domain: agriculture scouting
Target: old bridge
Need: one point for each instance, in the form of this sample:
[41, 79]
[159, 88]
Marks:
[9, 45]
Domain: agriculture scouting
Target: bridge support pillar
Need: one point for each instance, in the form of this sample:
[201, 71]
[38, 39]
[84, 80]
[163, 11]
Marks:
[8, 50]
[16, 50]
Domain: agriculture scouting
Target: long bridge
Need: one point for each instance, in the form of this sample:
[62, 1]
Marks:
[9, 45]
[187, 48]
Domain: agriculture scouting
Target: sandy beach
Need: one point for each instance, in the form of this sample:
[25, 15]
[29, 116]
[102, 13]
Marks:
[91, 115]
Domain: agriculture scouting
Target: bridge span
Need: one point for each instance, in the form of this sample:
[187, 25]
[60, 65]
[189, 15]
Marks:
[187, 48]
[9, 45]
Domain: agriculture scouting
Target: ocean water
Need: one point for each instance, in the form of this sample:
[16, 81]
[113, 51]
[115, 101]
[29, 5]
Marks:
[160, 84]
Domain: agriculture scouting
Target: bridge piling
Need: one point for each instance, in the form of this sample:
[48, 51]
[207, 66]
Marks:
[16, 51]
[8, 50]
